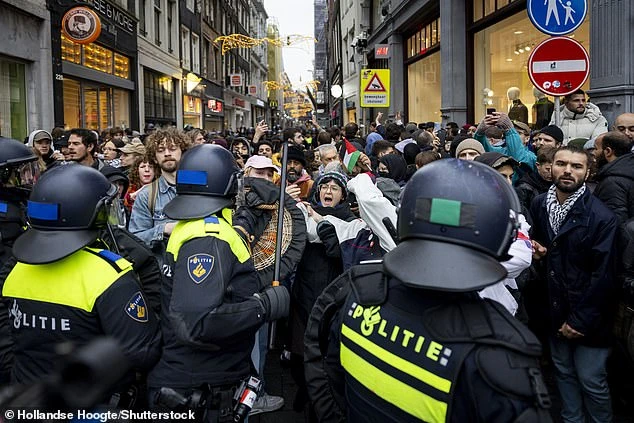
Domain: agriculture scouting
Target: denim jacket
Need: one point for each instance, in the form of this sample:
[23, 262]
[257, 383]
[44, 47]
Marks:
[150, 227]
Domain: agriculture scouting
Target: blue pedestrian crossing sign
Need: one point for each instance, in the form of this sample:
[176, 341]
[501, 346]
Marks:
[557, 17]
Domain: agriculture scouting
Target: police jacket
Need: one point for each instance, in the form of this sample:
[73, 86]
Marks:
[377, 350]
[579, 267]
[88, 294]
[209, 314]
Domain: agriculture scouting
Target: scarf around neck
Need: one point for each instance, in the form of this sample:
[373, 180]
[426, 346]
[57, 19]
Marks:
[557, 213]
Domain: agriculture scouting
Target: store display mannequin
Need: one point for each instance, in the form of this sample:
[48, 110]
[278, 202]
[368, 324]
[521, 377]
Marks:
[518, 111]
[542, 109]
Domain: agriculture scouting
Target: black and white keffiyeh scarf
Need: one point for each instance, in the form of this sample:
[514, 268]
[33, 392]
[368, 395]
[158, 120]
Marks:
[557, 212]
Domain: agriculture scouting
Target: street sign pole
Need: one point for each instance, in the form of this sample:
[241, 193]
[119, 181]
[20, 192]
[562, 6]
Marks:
[557, 111]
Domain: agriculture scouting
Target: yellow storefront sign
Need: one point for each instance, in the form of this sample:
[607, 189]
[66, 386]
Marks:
[375, 88]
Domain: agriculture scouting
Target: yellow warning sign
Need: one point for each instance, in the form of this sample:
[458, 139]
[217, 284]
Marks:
[375, 88]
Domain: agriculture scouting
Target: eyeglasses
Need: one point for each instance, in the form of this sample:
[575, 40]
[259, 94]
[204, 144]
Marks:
[331, 188]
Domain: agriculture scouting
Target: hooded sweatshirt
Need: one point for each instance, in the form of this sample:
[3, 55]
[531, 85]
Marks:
[48, 160]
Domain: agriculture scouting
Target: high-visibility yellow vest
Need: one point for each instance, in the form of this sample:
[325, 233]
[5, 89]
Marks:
[186, 230]
[75, 281]
[391, 355]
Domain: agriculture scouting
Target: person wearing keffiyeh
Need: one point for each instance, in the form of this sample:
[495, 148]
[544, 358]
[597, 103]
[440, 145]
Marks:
[573, 242]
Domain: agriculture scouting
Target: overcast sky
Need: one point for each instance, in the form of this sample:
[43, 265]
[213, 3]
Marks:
[295, 17]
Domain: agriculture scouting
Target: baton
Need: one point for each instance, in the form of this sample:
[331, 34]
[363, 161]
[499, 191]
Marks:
[278, 238]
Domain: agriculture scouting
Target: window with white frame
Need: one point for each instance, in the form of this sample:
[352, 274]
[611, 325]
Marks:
[195, 53]
[157, 22]
[185, 48]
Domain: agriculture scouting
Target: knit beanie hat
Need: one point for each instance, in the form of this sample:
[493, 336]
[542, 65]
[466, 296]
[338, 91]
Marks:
[339, 178]
[553, 131]
[469, 144]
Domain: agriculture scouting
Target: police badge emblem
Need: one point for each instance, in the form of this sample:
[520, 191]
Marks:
[136, 308]
[199, 266]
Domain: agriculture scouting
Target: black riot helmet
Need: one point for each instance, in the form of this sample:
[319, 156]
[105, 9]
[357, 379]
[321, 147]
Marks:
[18, 171]
[67, 208]
[206, 181]
[456, 222]
[18, 166]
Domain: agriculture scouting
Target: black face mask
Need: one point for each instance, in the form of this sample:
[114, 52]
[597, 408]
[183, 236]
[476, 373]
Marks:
[384, 174]
[245, 157]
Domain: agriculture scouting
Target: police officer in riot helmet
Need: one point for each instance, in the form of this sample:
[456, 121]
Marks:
[211, 309]
[59, 287]
[18, 171]
[409, 339]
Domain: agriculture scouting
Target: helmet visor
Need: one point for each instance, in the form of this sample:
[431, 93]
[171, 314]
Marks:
[116, 213]
[22, 176]
[109, 210]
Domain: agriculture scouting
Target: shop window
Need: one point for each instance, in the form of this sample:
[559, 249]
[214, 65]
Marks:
[99, 58]
[501, 54]
[483, 8]
[71, 51]
[72, 104]
[12, 100]
[96, 57]
[93, 106]
[423, 78]
[427, 37]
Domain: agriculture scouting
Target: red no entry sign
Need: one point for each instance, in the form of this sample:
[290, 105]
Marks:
[558, 66]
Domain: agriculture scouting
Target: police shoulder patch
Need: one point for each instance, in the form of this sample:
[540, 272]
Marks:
[199, 266]
[136, 308]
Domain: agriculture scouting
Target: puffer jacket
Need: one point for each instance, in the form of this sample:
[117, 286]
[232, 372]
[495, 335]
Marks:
[589, 124]
[616, 186]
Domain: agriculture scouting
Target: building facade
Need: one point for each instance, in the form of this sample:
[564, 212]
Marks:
[159, 68]
[259, 64]
[212, 70]
[95, 84]
[26, 86]
[451, 59]
[335, 67]
[275, 73]
[237, 66]
[320, 64]
[190, 54]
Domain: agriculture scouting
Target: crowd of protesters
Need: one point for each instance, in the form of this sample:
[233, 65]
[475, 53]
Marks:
[569, 271]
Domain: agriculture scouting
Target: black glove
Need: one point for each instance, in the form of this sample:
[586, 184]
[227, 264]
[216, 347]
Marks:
[276, 302]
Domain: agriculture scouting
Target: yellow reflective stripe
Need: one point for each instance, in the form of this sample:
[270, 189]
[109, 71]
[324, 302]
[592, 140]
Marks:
[76, 281]
[392, 390]
[393, 360]
[186, 230]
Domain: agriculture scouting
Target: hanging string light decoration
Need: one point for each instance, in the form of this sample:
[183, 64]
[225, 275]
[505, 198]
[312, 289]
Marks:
[274, 85]
[232, 41]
